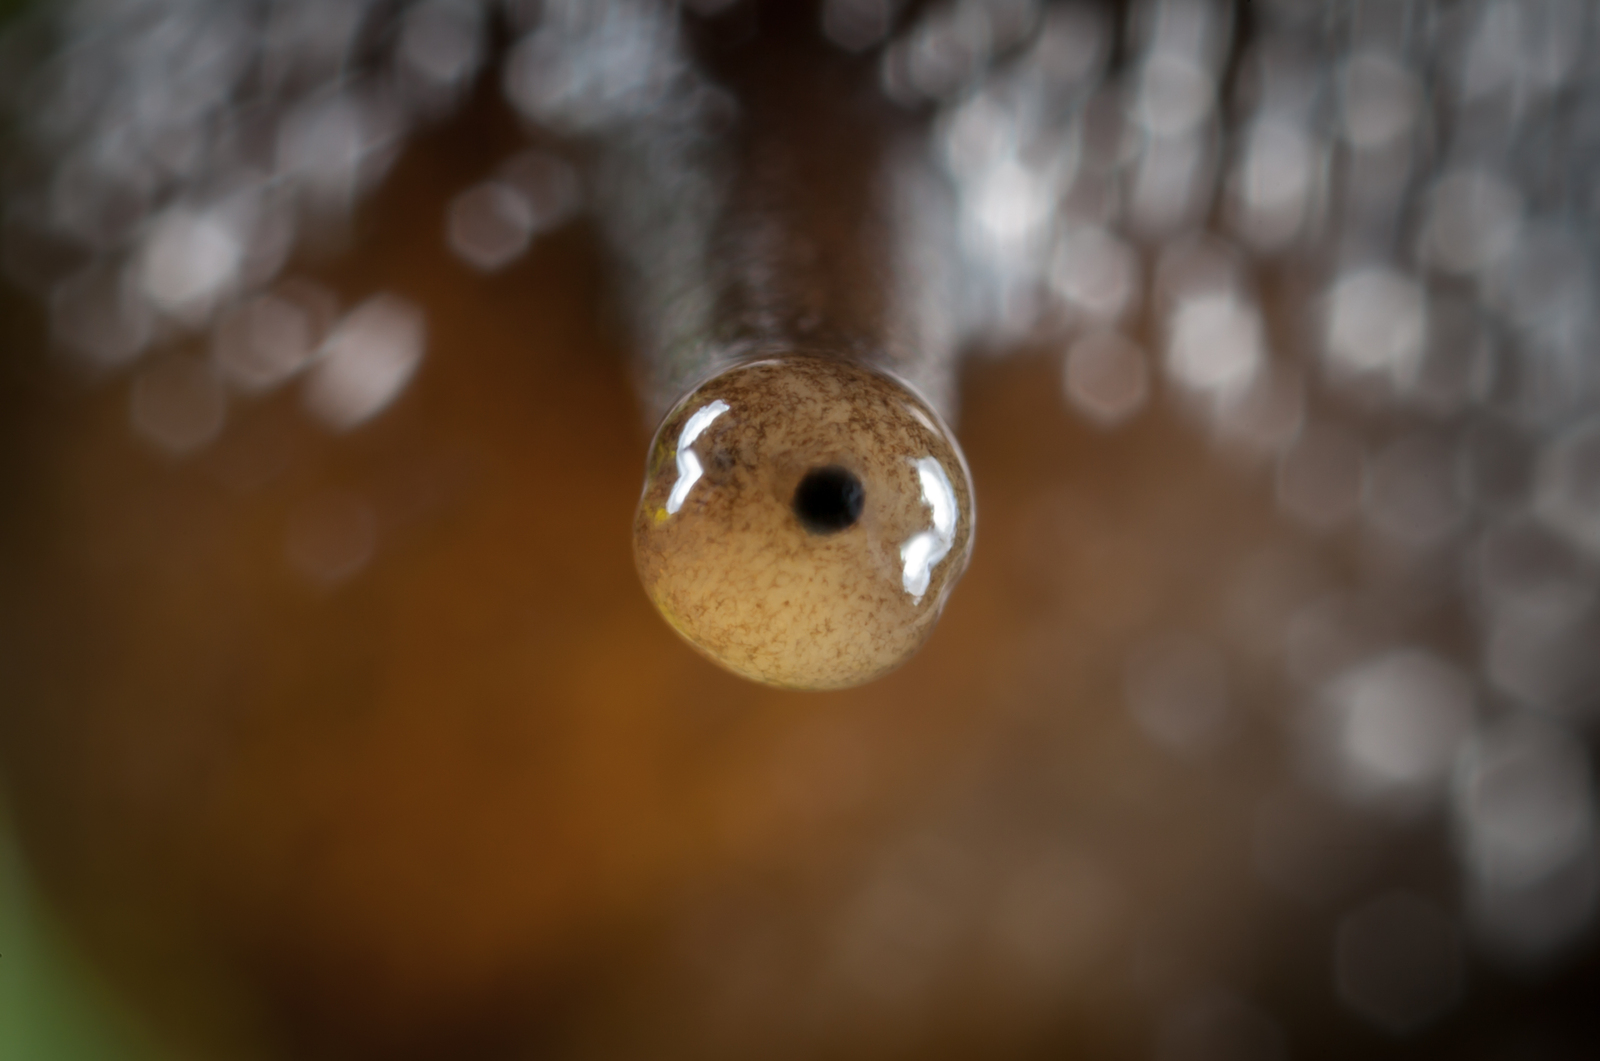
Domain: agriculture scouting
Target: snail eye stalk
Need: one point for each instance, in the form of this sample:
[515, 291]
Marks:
[805, 510]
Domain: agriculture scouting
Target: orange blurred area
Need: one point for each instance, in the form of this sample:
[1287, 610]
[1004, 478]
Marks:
[335, 723]
[474, 789]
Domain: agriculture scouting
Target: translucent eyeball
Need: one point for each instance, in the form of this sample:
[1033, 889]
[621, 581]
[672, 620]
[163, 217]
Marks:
[803, 521]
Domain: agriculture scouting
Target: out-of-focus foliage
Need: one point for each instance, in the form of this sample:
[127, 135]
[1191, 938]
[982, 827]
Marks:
[52, 1005]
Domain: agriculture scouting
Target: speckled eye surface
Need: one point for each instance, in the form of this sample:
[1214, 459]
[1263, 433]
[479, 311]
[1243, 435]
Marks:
[803, 520]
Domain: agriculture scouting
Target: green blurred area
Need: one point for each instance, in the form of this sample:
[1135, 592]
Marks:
[52, 1006]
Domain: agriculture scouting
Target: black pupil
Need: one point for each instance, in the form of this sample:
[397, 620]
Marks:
[828, 500]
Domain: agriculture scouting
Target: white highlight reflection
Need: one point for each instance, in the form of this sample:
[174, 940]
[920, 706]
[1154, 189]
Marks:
[689, 467]
[1215, 346]
[188, 260]
[366, 362]
[1398, 722]
[922, 552]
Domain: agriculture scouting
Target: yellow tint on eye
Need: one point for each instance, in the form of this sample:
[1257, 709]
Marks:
[803, 521]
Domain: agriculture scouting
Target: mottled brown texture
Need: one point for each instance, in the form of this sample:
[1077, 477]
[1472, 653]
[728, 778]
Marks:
[735, 572]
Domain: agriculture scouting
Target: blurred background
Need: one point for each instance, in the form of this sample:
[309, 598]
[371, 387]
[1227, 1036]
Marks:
[335, 725]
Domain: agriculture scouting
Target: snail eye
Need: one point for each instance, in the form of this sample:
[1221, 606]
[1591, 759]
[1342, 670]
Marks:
[803, 520]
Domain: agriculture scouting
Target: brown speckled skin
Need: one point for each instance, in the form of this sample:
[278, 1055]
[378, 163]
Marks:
[734, 571]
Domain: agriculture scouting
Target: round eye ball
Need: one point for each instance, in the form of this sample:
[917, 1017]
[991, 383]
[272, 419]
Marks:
[803, 520]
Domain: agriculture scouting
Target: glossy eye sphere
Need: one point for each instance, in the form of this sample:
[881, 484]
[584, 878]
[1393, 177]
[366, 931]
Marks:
[803, 520]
